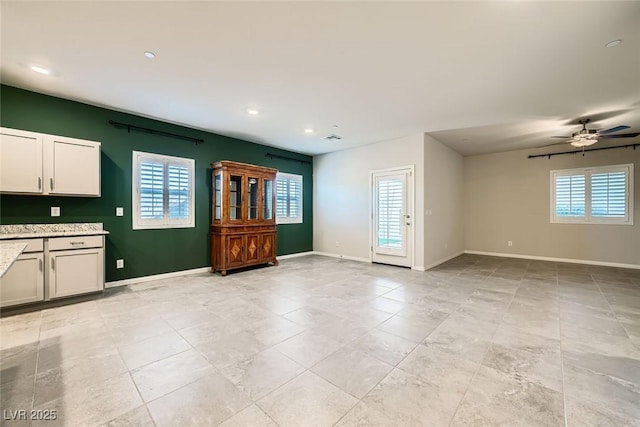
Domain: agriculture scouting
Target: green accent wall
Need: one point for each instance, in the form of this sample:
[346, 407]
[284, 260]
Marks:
[145, 252]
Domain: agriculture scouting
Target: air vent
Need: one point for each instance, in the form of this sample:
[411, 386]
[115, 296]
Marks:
[333, 137]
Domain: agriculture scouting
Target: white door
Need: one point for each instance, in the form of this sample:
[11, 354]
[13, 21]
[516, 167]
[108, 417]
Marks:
[392, 230]
[20, 161]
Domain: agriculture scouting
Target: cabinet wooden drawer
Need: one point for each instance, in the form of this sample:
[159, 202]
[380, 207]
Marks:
[76, 242]
[33, 245]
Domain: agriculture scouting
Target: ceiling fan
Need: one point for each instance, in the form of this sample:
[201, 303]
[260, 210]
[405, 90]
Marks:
[585, 137]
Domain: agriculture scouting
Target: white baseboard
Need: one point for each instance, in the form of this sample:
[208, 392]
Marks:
[296, 255]
[350, 258]
[418, 268]
[443, 260]
[544, 258]
[156, 277]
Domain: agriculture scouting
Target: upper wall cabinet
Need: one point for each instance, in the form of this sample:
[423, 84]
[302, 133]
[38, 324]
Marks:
[35, 163]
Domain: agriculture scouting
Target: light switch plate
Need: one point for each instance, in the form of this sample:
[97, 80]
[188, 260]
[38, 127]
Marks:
[55, 211]
[119, 211]
[119, 263]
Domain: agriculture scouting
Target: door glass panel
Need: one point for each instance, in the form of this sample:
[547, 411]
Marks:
[218, 197]
[390, 213]
[252, 206]
[235, 197]
[268, 199]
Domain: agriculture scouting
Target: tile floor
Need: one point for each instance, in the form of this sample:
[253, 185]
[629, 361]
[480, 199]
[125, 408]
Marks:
[320, 342]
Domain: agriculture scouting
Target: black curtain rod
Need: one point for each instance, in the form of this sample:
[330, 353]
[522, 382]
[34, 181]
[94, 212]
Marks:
[532, 156]
[276, 156]
[154, 132]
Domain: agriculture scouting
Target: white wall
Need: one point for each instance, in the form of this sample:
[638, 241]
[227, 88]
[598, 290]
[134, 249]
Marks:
[507, 197]
[341, 193]
[443, 197]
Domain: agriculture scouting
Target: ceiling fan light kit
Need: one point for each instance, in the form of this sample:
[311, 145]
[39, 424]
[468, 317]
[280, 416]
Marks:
[583, 142]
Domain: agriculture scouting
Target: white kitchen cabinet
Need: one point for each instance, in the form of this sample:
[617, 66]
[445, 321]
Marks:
[74, 271]
[24, 281]
[34, 163]
[72, 166]
[21, 167]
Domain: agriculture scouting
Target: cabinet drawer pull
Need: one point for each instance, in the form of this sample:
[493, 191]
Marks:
[51, 182]
[39, 183]
[53, 263]
[77, 243]
[40, 264]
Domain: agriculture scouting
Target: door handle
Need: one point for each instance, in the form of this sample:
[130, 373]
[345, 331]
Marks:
[51, 183]
[40, 264]
[53, 263]
[408, 223]
[39, 183]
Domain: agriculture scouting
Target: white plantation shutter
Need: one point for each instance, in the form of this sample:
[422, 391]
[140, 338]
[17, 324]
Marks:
[288, 198]
[151, 190]
[390, 214]
[593, 195]
[570, 196]
[609, 194]
[179, 185]
[163, 191]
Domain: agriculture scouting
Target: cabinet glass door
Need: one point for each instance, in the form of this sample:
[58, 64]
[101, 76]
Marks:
[268, 199]
[217, 194]
[235, 197]
[252, 204]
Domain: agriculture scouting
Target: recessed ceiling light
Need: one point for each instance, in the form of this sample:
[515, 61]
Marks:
[308, 131]
[39, 69]
[252, 111]
[149, 54]
[613, 43]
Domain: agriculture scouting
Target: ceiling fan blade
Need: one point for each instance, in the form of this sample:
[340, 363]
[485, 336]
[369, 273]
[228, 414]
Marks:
[621, 135]
[614, 129]
[555, 143]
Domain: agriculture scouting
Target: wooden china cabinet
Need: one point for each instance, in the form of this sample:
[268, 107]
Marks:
[243, 223]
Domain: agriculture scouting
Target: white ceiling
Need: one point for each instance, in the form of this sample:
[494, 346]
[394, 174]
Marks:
[479, 76]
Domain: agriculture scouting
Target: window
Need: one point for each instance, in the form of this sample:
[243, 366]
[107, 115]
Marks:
[163, 191]
[601, 195]
[288, 198]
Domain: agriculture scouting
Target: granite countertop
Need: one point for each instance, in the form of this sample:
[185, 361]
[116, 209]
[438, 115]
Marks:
[9, 252]
[31, 231]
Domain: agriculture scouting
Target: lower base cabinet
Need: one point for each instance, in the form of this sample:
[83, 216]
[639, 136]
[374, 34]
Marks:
[53, 268]
[242, 248]
[75, 272]
[24, 281]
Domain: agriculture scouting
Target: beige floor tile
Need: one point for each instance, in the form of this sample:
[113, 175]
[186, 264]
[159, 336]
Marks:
[352, 370]
[153, 349]
[93, 405]
[384, 346]
[167, 375]
[308, 348]
[497, 399]
[307, 400]
[354, 319]
[411, 401]
[259, 375]
[252, 416]
[138, 417]
[210, 400]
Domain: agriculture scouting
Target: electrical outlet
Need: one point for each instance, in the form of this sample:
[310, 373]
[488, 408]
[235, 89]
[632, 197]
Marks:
[55, 211]
[119, 211]
[119, 263]
[509, 243]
